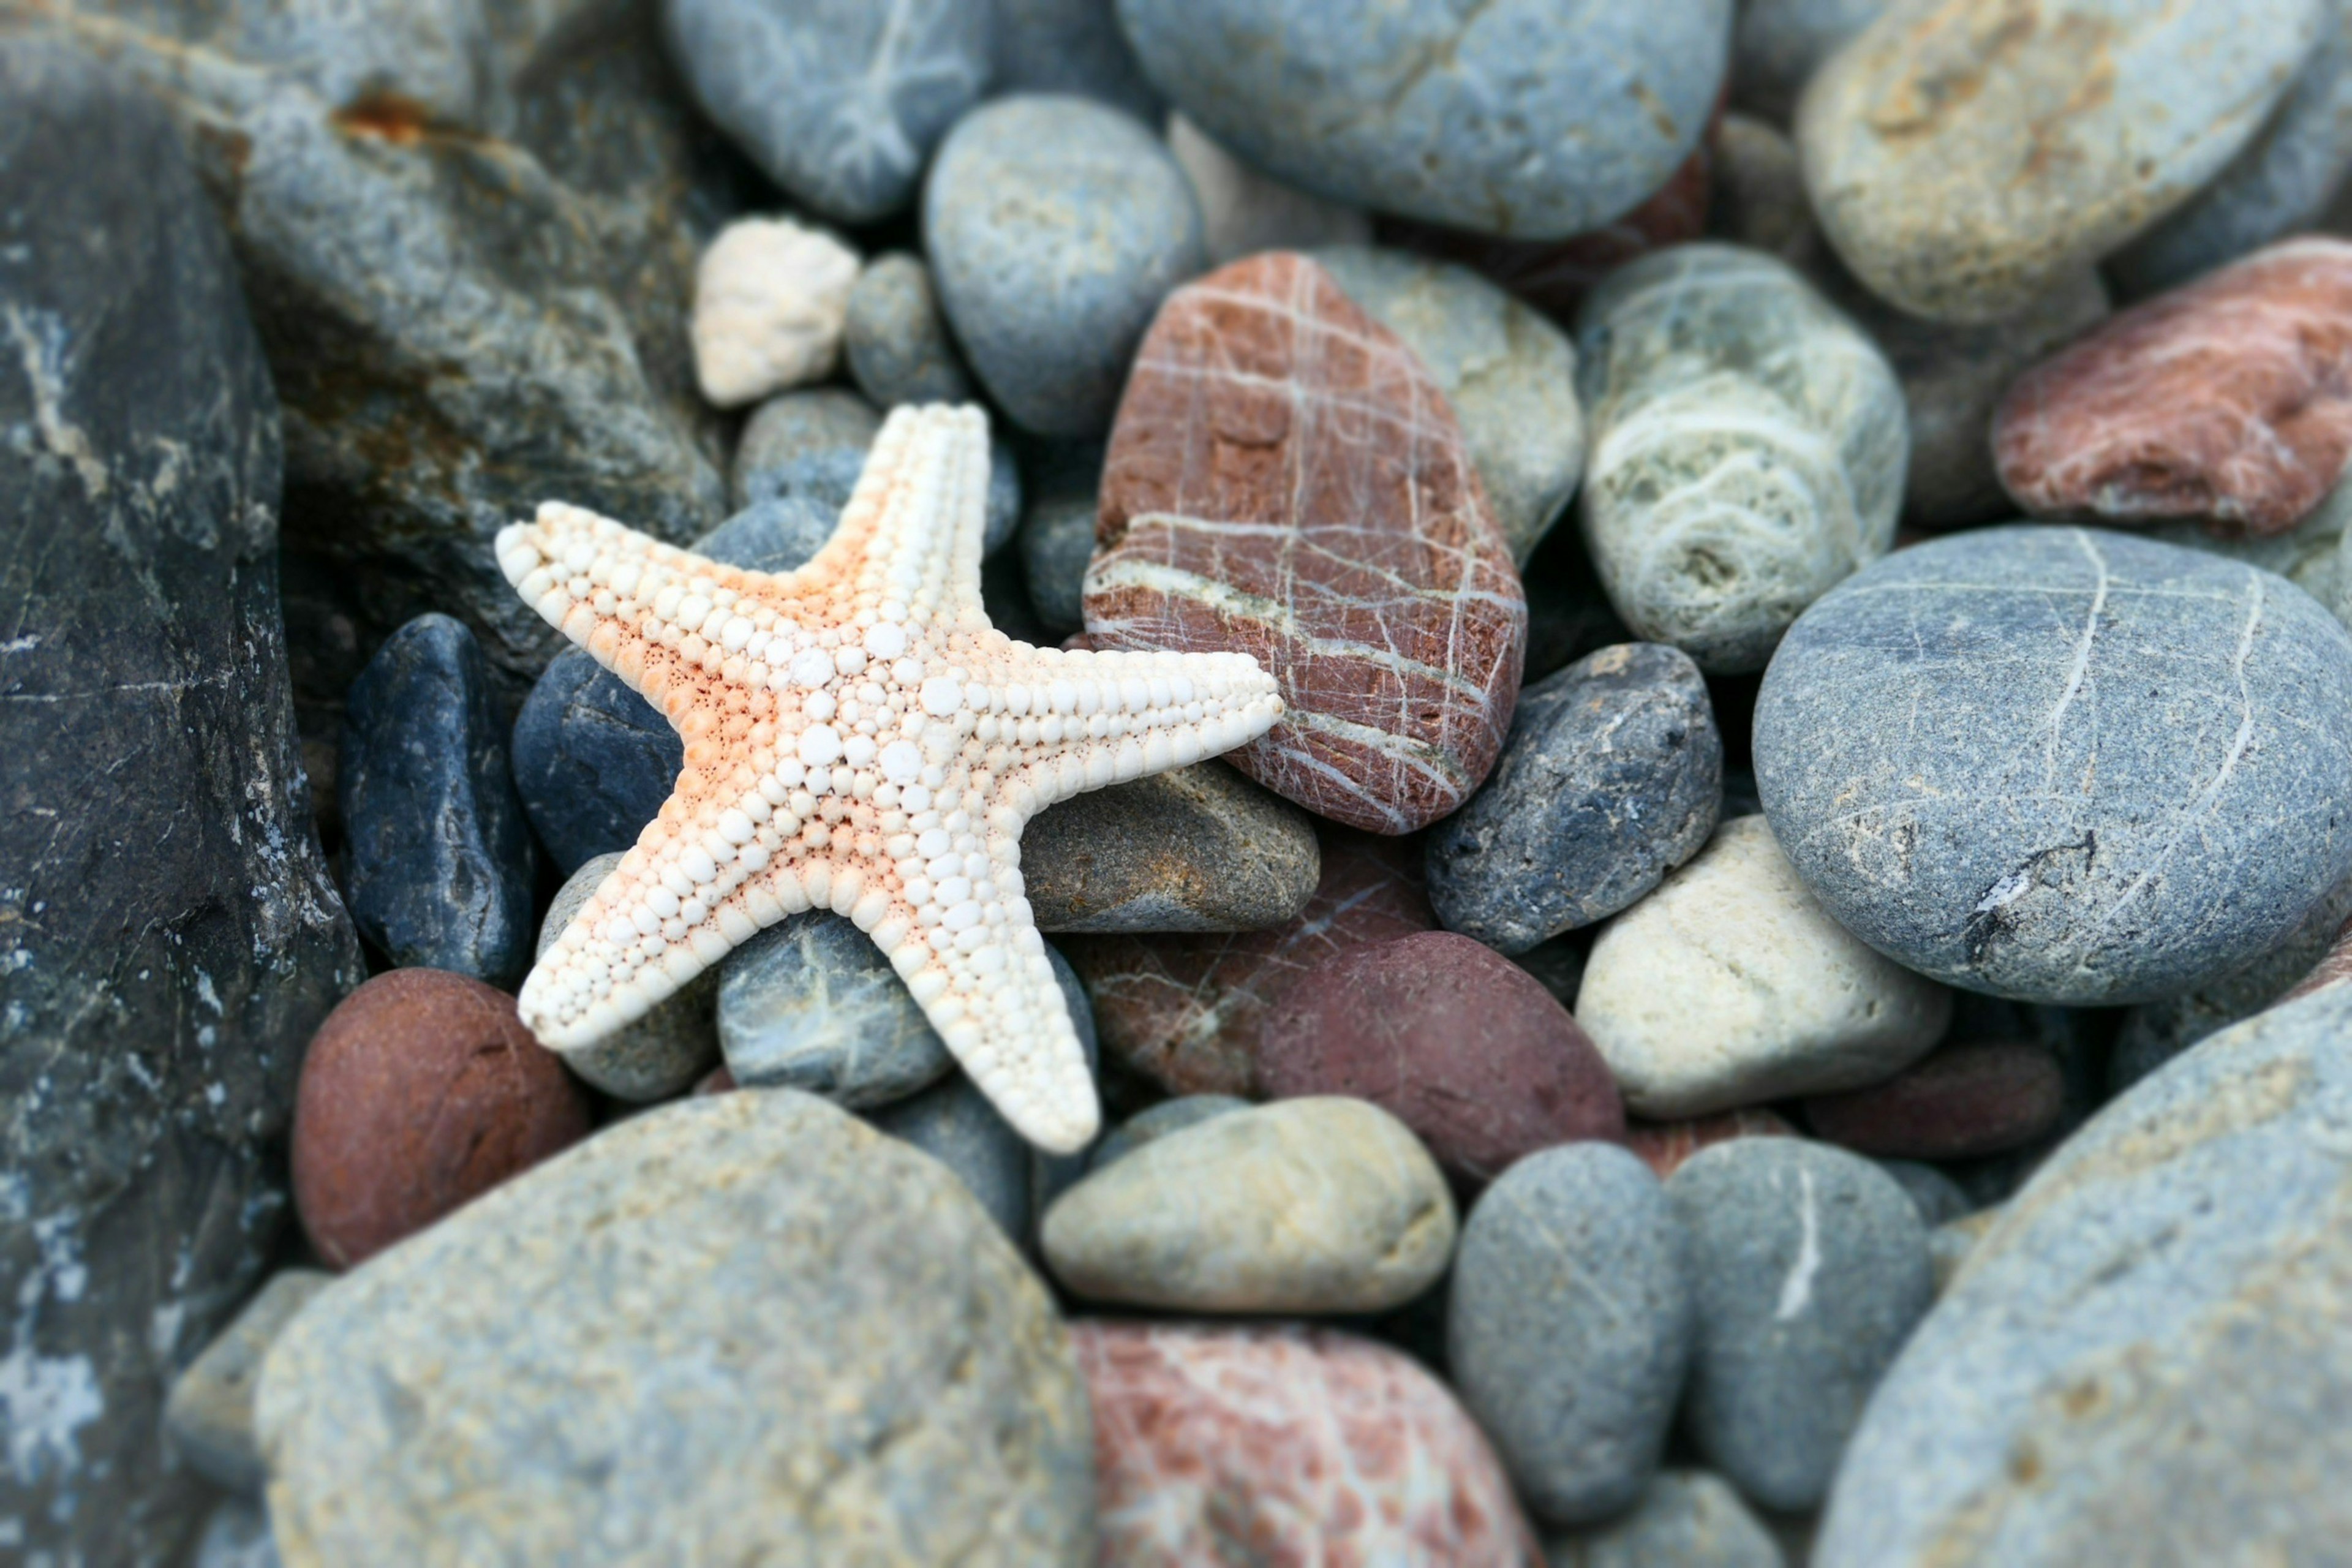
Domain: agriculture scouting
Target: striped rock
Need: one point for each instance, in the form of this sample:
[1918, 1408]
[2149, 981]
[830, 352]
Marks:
[1285, 479]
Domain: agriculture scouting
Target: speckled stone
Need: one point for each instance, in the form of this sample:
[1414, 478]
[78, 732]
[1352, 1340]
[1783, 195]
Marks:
[2063, 766]
[1167, 1116]
[1731, 985]
[808, 449]
[1666, 1146]
[1686, 1519]
[742, 1327]
[1759, 196]
[1780, 44]
[1810, 1267]
[1961, 169]
[1611, 778]
[209, 1415]
[663, 1053]
[897, 339]
[592, 761]
[1244, 210]
[1569, 1326]
[1748, 448]
[1537, 119]
[1057, 532]
[1070, 46]
[1055, 227]
[1965, 1100]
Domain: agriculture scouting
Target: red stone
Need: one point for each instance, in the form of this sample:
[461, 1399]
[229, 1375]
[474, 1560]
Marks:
[1185, 1011]
[1957, 1103]
[1665, 1145]
[1285, 479]
[1287, 1448]
[2229, 399]
[1456, 1041]
[421, 1091]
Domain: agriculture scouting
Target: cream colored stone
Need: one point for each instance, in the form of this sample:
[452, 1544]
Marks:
[1243, 212]
[1730, 986]
[771, 300]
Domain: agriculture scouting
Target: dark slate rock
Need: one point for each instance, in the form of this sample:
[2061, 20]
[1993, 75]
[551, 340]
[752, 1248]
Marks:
[1071, 46]
[169, 933]
[592, 761]
[437, 861]
[1610, 777]
[839, 101]
[1167, 1116]
[1569, 1326]
[1057, 532]
[895, 340]
[1810, 1267]
[810, 447]
[2063, 764]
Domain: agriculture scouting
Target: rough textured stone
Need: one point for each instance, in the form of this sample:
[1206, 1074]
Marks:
[1243, 211]
[2146, 1357]
[1070, 46]
[1811, 1268]
[1977, 1098]
[1457, 1042]
[1167, 1116]
[1758, 197]
[1057, 532]
[1610, 777]
[1748, 448]
[896, 340]
[437, 858]
[592, 761]
[1569, 1325]
[1055, 227]
[1286, 1446]
[209, 1415]
[1536, 119]
[1731, 985]
[771, 300]
[662, 1053]
[1286, 480]
[1686, 1519]
[169, 935]
[1307, 1205]
[740, 1327]
[1780, 44]
[2225, 400]
[421, 1091]
[1666, 1146]
[2063, 766]
[1961, 167]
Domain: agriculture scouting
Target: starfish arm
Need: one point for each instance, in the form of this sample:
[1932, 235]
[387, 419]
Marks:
[907, 545]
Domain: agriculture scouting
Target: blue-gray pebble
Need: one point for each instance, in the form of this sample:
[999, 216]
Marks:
[812, 1003]
[810, 447]
[1159, 1122]
[1569, 1326]
[1057, 531]
[895, 340]
[1610, 777]
[777, 534]
[593, 760]
[1055, 227]
[2063, 764]
[1811, 1268]
[437, 856]
[1535, 118]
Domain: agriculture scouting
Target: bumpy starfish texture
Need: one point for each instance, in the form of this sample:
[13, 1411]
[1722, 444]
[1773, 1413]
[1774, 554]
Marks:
[859, 738]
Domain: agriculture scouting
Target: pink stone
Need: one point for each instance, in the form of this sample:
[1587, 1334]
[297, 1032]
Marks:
[1286, 480]
[1665, 1145]
[2230, 400]
[1285, 1448]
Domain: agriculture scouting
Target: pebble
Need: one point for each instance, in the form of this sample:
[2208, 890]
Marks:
[809, 444]
[1731, 985]
[1243, 212]
[1167, 1116]
[955, 1125]
[2314, 554]
[592, 761]
[1558, 965]
[1951, 1244]
[437, 856]
[778, 535]
[1459, 1043]
[1195, 850]
[1285, 480]
[1780, 44]
[1962, 1101]
[1810, 1267]
[739, 1327]
[1287, 1444]
[771, 299]
[1070, 46]
[209, 1415]
[662, 1054]
[1938, 1198]
[1686, 1519]
[421, 1091]
[1056, 227]
[1610, 777]
[2333, 967]
[1666, 1146]
[1962, 169]
[2225, 400]
[1303, 1206]
[1057, 532]
[838, 102]
[1532, 119]
[897, 339]
[1758, 198]
[236, 1536]
[1570, 1327]
[1509, 373]
[1748, 448]
[2167, 737]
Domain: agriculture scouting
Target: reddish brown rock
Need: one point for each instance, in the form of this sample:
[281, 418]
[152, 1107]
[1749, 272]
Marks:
[1285, 479]
[1665, 1145]
[1959, 1102]
[421, 1091]
[1456, 1041]
[2229, 399]
[1186, 1011]
[1287, 1448]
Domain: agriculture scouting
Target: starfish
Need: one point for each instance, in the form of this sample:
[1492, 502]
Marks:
[858, 738]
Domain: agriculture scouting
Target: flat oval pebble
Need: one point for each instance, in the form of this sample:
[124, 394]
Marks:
[1984, 1096]
[592, 761]
[1966, 154]
[1686, 1519]
[1610, 777]
[1286, 1446]
[1811, 1268]
[1569, 1326]
[896, 340]
[1286, 480]
[2229, 399]
[1462, 1045]
[1731, 985]
[2063, 766]
[1749, 447]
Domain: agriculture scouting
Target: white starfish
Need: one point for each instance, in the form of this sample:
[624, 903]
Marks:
[859, 738]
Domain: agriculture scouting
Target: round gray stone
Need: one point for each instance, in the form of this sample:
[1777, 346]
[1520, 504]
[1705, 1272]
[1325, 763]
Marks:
[1569, 1326]
[1055, 227]
[1781, 43]
[663, 1053]
[2062, 764]
[955, 1125]
[895, 339]
[1057, 532]
[1686, 1519]
[810, 447]
[1167, 1116]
